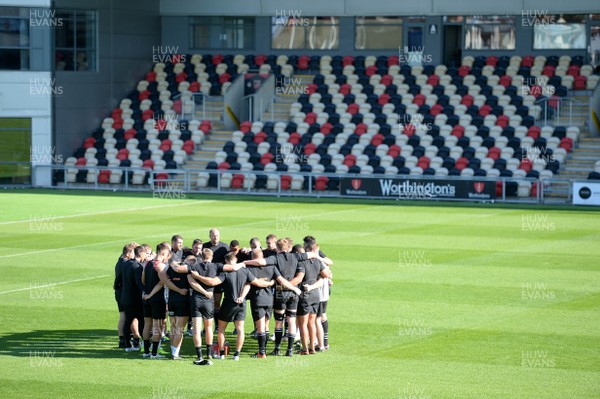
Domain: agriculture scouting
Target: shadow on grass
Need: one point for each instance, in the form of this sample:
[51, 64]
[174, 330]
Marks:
[90, 344]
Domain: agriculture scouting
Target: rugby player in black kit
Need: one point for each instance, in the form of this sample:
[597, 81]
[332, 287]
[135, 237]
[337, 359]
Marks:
[219, 249]
[178, 303]
[308, 305]
[126, 255]
[236, 285]
[154, 301]
[202, 305]
[131, 296]
[286, 301]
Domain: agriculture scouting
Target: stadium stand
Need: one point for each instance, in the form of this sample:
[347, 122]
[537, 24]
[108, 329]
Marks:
[363, 115]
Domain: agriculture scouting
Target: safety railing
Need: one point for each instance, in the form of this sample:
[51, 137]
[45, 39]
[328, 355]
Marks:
[175, 183]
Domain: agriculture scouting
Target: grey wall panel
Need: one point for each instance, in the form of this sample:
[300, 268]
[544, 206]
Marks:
[127, 32]
[466, 7]
[305, 7]
[210, 7]
[374, 8]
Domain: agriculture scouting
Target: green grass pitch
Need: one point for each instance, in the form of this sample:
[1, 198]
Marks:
[427, 301]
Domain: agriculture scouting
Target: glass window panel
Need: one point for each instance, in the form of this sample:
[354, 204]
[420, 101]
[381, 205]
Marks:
[318, 33]
[75, 41]
[490, 32]
[595, 45]
[289, 37]
[378, 33]
[559, 36]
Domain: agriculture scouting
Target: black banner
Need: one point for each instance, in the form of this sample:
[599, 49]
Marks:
[253, 82]
[418, 189]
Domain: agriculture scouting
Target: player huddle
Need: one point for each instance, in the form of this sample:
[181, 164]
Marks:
[212, 281]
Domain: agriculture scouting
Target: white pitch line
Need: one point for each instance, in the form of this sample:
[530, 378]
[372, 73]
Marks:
[53, 284]
[158, 235]
[105, 212]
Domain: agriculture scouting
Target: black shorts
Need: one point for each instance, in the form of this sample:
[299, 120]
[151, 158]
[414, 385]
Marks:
[135, 311]
[204, 308]
[322, 308]
[232, 312]
[286, 300]
[156, 310]
[179, 309]
[305, 307]
[258, 312]
[118, 299]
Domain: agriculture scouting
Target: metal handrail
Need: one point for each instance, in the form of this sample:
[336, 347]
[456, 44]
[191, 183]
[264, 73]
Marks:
[187, 178]
[545, 103]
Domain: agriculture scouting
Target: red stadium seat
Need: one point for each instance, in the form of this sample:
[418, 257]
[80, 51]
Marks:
[286, 182]
[237, 181]
[181, 77]
[148, 163]
[371, 70]
[527, 61]
[494, 153]
[151, 76]
[349, 160]
[505, 80]
[353, 109]
[491, 60]
[266, 158]
[361, 129]
[394, 151]
[419, 99]
[260, 137]
[409, 129]
[310, 149]
[502, 121]
[461, 163]
[458, 131]
[377, 139]
[294, 138]
[82, 161]
[246, 126]
[223, 166]
[579, 83]
[573, 70]
[433, 80]
[326, 128]
[467, 100]
[383, 99]
[485, 110]
[464, 70]
[104, 177]
[386, 80]
[423, 162]
[566, 143]
[534, 131]
[123, 154]
[549, 70]
[129, 134]
[526, 165]
[321, 183]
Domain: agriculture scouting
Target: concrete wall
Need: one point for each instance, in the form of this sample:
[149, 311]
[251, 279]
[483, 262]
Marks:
[127, 32]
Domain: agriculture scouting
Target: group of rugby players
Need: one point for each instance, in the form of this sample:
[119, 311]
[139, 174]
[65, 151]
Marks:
[213, 280]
